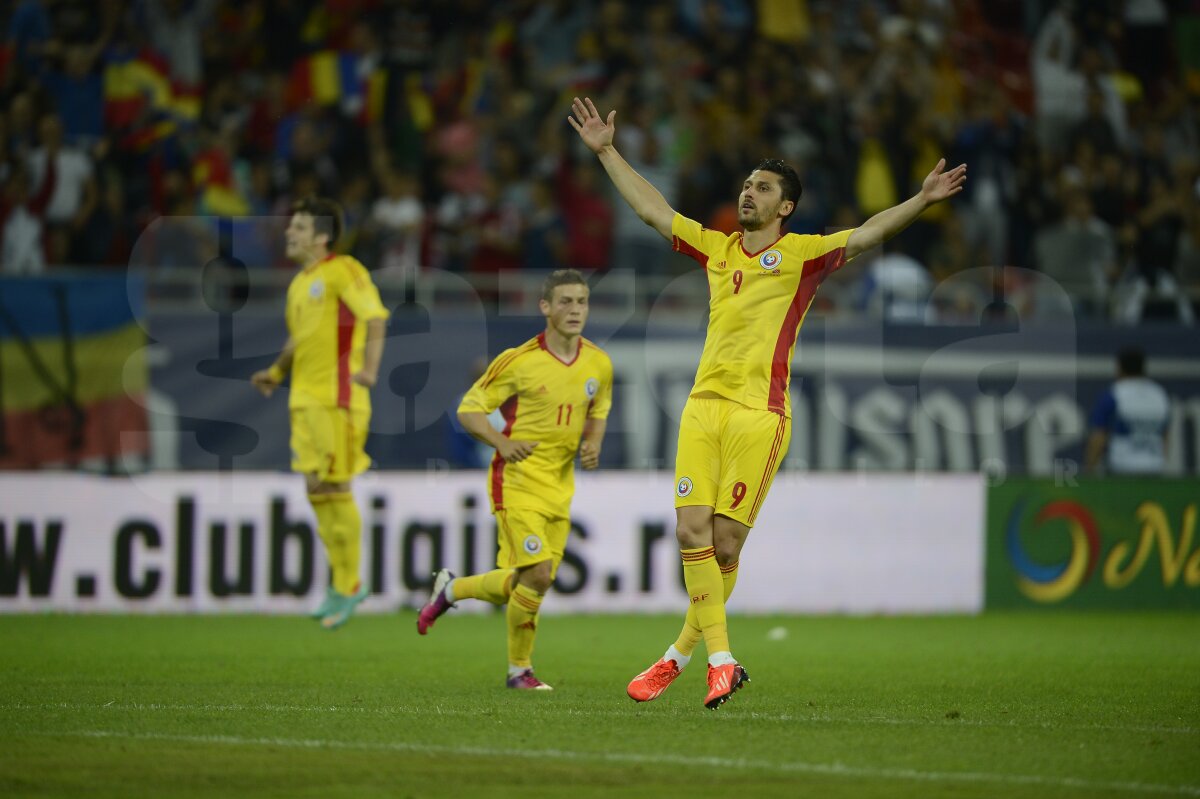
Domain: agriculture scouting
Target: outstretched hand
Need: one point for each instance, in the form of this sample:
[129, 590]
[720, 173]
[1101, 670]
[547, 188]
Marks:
[941, 185]
[595, 131]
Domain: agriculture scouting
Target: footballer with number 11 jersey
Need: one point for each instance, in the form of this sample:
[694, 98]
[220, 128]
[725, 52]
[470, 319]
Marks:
[554, 392]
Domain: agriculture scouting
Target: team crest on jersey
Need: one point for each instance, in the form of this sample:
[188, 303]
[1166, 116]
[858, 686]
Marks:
[683, 487]
[771, 259]
[317, 289]
[591, 387]
[532, 544]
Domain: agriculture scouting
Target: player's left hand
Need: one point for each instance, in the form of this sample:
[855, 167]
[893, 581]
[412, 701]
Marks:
[589, 455]
[941, 185]
[364, 378]
[264, 382]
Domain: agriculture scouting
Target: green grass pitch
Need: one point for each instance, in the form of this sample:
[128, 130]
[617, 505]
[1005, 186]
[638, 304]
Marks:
[1021, 705]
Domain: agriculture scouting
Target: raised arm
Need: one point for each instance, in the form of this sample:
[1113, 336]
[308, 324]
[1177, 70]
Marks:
[938, 186]
[646, 201]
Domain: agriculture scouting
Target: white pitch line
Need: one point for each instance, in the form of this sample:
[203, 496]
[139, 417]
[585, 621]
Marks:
[794, 767]
[392, 710]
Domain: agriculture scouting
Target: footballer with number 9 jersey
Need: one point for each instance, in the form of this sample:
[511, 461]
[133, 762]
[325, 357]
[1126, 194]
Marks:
[736, 424]
[554, 392]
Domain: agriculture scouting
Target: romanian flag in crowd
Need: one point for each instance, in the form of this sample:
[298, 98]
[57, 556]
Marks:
[141, 101]
[329, 77]
[73, 374]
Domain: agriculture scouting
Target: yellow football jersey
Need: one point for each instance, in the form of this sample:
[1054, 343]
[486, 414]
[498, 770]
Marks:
[757, 302]
[547, 400]
[328, 305]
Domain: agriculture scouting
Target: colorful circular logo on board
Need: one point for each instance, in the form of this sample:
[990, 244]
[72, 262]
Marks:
[683, 487]
[771, 259]
[317, 289]
[591, 387]
[1054, 582]
[532, 544]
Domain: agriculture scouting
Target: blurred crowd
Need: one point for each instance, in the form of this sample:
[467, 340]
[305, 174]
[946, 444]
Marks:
[127, 127]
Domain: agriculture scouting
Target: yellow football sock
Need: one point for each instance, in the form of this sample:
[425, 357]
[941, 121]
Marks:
[522, 615]
[702, 576]
[347, 540]
[326, 525]
[689, 636]
[494, 586]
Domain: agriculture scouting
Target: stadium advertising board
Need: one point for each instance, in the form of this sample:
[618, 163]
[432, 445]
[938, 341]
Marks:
[245, 543]
[1116, 543]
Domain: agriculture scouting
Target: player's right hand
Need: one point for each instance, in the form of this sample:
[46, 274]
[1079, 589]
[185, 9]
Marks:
[516, 451]
[263, 381]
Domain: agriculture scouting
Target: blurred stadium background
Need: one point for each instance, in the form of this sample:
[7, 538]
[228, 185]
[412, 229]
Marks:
[150, 150]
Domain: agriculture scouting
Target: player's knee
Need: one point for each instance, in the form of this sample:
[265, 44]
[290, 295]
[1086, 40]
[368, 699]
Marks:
[728, 551]
[693, 534]
[729, 536]
[539, 576]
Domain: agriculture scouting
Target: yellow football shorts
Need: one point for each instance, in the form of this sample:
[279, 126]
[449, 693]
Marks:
[528, 536]
[728, 455]
[329, 442]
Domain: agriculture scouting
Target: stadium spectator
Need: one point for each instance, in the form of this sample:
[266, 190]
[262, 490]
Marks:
[589, 218]
[397, 220]
[736, 423]
[176, 28]
[544, 241]
[552, 416]
[1080, 254]
[78, 93]
[73, 198]
[1159, 229]
[21, 225]
[895, 287]
[1129, 422]
[330, 399]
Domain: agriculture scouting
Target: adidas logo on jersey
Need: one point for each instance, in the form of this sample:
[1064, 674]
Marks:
[543, 389]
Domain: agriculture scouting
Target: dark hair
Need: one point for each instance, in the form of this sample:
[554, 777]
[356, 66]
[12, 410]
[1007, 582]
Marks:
[326, 216]
[1132, 362]
[560, 277]
[789, 181]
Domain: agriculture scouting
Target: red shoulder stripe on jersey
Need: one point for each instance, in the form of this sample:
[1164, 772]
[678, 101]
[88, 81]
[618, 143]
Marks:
[824, 265]
[503, 362]
[509, 411]
[766, 475]
[345, 336]
[682, 246]
[812, 272]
